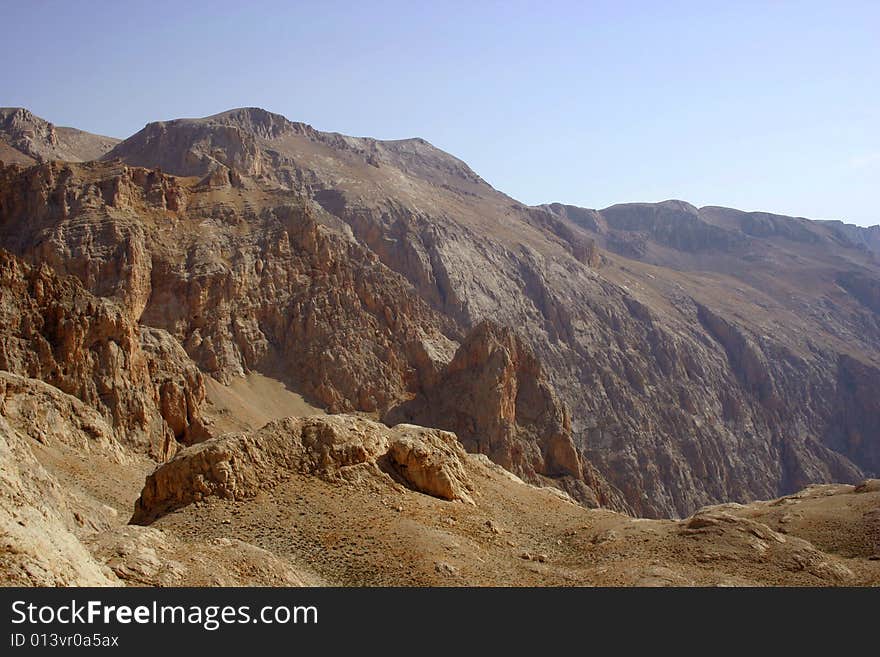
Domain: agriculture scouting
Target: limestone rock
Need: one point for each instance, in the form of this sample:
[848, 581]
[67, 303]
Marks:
[139, 379]
[238, 466]
[430, 461]
[36, 139]
[493, 394]
[295, 300]
[39, 520]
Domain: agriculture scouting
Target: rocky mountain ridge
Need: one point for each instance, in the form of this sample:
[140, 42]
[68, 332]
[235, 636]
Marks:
[28, 139]
[699, 355]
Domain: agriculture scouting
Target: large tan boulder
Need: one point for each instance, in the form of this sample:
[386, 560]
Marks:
[238, 466]
[431, 461]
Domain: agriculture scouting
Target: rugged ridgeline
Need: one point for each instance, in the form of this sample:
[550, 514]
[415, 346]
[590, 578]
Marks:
[251, 277]
[28, 139]
[664, 357]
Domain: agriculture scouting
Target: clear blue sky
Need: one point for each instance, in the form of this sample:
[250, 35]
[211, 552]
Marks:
[761, 106]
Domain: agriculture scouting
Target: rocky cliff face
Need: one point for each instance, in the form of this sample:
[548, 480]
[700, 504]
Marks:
[138, 378]
[239, 466]
[493, 394]
[867, 237]
[852, 429]
[241, 287]
[697, 350]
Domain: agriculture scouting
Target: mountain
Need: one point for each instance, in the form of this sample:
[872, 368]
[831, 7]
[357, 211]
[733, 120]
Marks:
[701, 353]
[26, 139]
[651, 359]
[868, 236]
[343, 500]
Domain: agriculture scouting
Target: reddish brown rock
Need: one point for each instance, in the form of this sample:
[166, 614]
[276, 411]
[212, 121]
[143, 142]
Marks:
[495, 397]
[139, 378]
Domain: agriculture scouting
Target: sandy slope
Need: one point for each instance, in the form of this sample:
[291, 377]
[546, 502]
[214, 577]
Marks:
[372, 533]
[250, 402]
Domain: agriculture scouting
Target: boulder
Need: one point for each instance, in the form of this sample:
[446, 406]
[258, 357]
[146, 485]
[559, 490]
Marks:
[238, 466]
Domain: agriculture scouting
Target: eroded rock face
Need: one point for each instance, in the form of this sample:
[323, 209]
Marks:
[228, 142]
[37, 140]
[50, 417]
[495, 397]
[304, 304]
[139, 379]
[238, 466]
[430, 461]
[242, 288]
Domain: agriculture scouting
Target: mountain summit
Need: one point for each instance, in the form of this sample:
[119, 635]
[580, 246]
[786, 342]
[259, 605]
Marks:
[255, 142]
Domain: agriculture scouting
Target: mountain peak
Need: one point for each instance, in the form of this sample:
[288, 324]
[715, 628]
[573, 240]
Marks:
[674, 205]
[26, 138]
[255, 142]
[256, 120]
[252, 120]
[18, 113]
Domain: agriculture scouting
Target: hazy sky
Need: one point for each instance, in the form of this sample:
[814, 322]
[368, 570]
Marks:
[760, 106]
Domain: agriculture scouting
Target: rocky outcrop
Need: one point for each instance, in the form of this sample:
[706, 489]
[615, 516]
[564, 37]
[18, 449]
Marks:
[139, 379]
[495, 397]
[202, 150]
[38, 140]
[238, 466]
[48, 416]
[430, 461]
[81, 224]
[718, 526]
[675, 224]
[865, 237]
